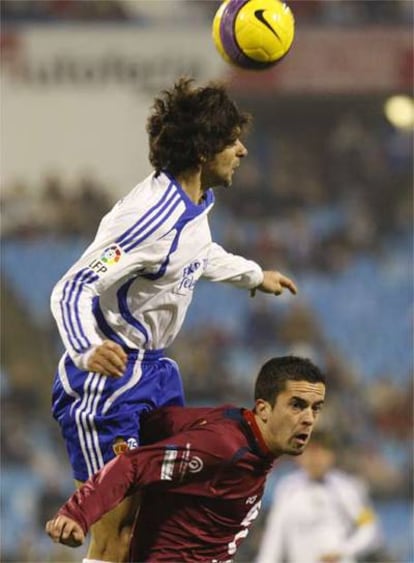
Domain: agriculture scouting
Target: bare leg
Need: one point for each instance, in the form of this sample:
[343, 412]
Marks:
[110, 536]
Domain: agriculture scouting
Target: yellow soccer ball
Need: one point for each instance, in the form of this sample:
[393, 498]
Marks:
[253, 34]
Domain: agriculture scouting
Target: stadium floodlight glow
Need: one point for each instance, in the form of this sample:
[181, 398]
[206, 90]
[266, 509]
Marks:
[399, 110]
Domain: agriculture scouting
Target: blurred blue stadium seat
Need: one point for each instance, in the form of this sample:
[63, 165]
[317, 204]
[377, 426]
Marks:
[32, 268]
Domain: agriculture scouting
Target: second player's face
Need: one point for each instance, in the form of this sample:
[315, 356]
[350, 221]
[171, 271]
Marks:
[289, 424]
[219, 170]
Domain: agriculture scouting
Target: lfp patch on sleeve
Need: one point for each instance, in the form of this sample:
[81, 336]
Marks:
[110, 256]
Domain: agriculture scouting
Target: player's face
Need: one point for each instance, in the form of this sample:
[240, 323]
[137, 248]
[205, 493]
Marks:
[288, 426]
[220, 169]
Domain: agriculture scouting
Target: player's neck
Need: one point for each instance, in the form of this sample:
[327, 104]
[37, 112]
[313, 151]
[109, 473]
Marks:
[191, 183]
[265, 438]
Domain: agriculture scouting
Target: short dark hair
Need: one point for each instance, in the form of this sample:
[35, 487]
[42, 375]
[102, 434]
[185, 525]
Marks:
[324, 438]
[276, 372]
[189, 124]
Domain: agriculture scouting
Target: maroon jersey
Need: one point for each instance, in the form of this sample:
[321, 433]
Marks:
[202, 484]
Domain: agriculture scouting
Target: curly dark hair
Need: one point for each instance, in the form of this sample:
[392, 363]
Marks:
[189, 124]
[276, 372]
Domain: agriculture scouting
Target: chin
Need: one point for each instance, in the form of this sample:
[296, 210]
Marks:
[295, 451]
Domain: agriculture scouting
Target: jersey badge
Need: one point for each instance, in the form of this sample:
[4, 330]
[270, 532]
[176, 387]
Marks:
[110, 256]
[120, 445]
[195, 465]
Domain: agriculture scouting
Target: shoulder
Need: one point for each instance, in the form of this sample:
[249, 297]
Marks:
[347, 482]
[149, 211]
[290, 484]
[167, 421]
[151, 190]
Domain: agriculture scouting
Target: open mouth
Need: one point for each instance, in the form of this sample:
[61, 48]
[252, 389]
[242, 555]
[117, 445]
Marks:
[301, 438]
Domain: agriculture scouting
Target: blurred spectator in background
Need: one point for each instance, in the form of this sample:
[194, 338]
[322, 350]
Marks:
[334, 205]
[319, 513]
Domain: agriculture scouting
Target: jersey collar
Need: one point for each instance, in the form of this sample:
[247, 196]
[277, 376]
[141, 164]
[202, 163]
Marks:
[195, 209]
[250, 420]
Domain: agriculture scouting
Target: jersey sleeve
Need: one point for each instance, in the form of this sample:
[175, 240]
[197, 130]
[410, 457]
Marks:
[182, 461]
[366, 535]
[120, 251]
[222, 266]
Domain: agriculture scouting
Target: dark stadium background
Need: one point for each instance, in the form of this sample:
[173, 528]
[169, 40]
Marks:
[325, 196]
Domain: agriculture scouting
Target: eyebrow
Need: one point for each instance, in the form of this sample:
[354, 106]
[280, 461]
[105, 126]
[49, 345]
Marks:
[302, 401]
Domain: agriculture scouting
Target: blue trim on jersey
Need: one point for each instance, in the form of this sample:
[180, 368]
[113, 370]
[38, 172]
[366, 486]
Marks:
[126, 314]
[70, 311]
[160, 212]
[164, 265]
[241, 452]
[104, 326]
[167, 211]
[153, 209]
[151, 216]
[189, 214]
[193, 208]
[149, 355]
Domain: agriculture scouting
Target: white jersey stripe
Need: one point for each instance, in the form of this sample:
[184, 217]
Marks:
[95, 433]
[63, 376]
[96, 393]
[79, 424]
[135, 377]
[87, 422]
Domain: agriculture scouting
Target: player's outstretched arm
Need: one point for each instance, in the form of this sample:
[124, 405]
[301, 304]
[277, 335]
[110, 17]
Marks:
[275, 282]
[63, 529]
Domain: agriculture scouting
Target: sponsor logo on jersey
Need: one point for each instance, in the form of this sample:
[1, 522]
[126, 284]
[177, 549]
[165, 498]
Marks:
[195, 464]
[178, 462]
[109, 257]
[190, 275]
[167, 467]
[251, 500]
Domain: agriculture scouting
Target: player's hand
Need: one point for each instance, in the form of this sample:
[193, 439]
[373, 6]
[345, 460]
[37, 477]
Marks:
[65, 530]
[275, 282]
[331, 558]
[109, 358]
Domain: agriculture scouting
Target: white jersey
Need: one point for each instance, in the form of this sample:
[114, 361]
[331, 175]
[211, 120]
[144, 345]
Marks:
[134, 283]
[309, 519]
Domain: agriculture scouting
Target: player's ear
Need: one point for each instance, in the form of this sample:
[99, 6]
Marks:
[263, 409]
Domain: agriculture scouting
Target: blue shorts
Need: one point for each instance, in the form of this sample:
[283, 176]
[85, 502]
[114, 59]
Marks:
[100, 415]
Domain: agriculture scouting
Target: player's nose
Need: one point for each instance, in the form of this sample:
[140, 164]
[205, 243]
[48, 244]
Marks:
[308, 417]
[241, 150]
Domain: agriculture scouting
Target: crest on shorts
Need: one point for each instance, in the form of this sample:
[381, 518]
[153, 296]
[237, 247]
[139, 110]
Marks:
[121, 445]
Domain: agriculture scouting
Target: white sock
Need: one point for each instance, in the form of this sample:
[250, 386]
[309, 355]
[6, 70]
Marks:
[93, 561]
